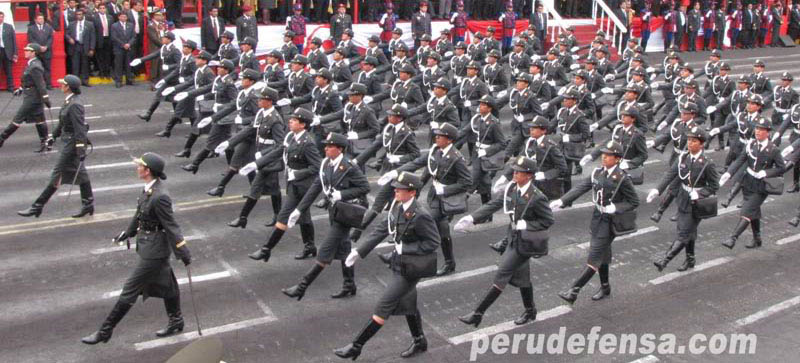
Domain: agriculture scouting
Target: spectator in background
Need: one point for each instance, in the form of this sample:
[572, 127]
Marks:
[647, 15]
[81, 38]
[388, 22]
[264, 6]
[210, 31]
[777, 21]
[113, 9]
[175, 12]
[246, 24]
[694, 21]
[122, 38]
[297, 24]
[42, 33]
[340, 22]
[540, 22]
[156, 29]
[8, 50]
[102, 50]
[32, 12]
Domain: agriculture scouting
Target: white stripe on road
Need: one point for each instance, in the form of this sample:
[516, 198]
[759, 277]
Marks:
[647, 359]
[110, 146]
[206, 332]
[108, 166]
[705, 265]
[639, 232]
[182, 281]
[105, 189]
[100, 251]
[100, 130]
[458, 276]
[786, 240]
[503, 327]
[768, 311]
[86, 118]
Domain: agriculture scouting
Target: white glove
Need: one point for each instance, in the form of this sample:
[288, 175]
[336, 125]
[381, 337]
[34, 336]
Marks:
[585, 160]
[262, 62]
[499, 184]
[167, 91]
[592, 96]
[521, 225]
[221, 147]
[714, 132]
[258, 155]
[574, 67]
[290, 175]
[467, 103]
[347, 61]
[448, 53]
[493, 88]
[204, 122]
[247, 169]
[711, 109]
[404, 104]
[724, 179]
[388, 177]
[284, 102]
[354, 162]
[181, 96]
[649, 143]
[652, 195]
[136, 62]
[593, 127]
[610, 209]
[757, 174]
[367, 99]
[438, 187]
[786, 151]
[464, 223]
[213, 63]
[650, 69]
[574, 49]
[238, 84]
[562, 90]
[624, 165]
[481, 153]
[200, 97]
[565, 138]
[775, 136]
[335, 87]
[545, 105]
[662, 125]
[164, 67]
[434, 125]
[317, 121]
[556, 204]
[181, 79]
[785, 116]
[502, 93]
[160, 84]
[293, 218]
[653, 76]
[519, 118]
[694, 195]
[238, 119]
[607, 90]
[351, 258]
[352, 135]
[609, 77]
[539, 175]
[394, 159]
[654, 85]
[336, 196]
[575, 57]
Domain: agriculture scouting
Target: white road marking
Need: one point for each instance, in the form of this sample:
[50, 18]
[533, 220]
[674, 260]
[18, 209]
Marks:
[647, 359]
[100, 131]
[639, 232]
[705, 265]
[85, 118]
[182, 281]
[458, 276]
[113, 187]
[786, 240]
[100, 251]
[509, 325]
[84, 106]
[768, 311]
[206, 332]
[109, 146]
[108, 166]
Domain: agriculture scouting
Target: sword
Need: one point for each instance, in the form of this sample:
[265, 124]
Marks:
[194, 307]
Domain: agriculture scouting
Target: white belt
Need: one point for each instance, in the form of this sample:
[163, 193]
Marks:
[752, 172]
[266, 141]
[482, 145]
[743, 140]
[782, 110]
[690, 189]
[677, 150]
[388, 155]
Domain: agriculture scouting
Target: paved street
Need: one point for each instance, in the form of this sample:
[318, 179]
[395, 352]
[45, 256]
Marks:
[59, 277]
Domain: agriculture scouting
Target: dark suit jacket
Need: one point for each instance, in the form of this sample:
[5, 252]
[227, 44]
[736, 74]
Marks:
[43, 37]
[100, 41]
[88, 41]
[120, 37]
[155, 207]
[9, 40]
[208, 41]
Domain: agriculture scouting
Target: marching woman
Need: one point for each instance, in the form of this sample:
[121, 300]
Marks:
[530, 217]
[34, 98]
[762, 160]
[343, 185]
[414, 232]
[615, 202]
[699, 179]
[491, 145]
[73, 130]
[268, 131]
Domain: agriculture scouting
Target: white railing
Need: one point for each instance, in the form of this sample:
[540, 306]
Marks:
[556, 26]
[609, 23]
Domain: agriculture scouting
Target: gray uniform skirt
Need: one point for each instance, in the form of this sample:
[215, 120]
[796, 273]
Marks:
[150, 278]
[399, 298]
[67, 166]
[514, 269]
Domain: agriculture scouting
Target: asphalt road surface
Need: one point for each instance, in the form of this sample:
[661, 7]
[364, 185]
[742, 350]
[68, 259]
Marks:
[59, 276]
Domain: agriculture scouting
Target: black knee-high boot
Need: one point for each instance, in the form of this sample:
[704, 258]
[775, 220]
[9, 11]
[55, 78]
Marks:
[309, 249]
[673, 251]
[297, 291]
[353, 350]
[167, 132]
[755, 225]
[265, 251]
[530, 308]
[250, 177]
[195, 165]
[420, 344]
[175, 323]
[7, 132]
[41, 129]
[663, 204]
[187, 147]
[605, 287]
[449, 260]
[486, 198]
[87, 200]
[795, 179]
[572, 294]
[147, 114]
[732, 194]
[276, 201]
[38, 204]
[104, 334]
[474, 318]
[731, 241]
[241, 222]
[219, 190]
[689, 262]
[348, 284]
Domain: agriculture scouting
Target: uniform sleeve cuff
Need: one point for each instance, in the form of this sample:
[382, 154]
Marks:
[180, 244]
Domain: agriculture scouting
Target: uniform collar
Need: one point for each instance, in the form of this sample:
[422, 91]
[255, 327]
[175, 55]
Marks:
[149, 185]
[447, 149]
[399, 126]
[408, 204]
[335, 162]
[524, 189]
[298, 135]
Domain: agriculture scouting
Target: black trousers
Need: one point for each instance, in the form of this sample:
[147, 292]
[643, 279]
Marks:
[80, 62]
[122, 60]
[47, 64]
[6, 64]
[175, 11]
[104, 58]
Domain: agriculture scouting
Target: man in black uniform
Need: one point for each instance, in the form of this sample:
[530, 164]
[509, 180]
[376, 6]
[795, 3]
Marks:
[246, 24]
[69, 168]
[615, 203]
[420, 23]
[699, 179]
[302, 168]
[342, 184]
[157, 234]
[529, 218]
[412, 228]
[81, 37]
[42, 33]
[34, 99]
[340, 22]
[122, 39]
